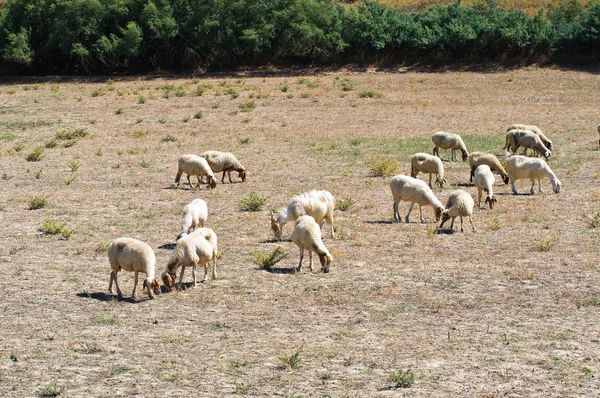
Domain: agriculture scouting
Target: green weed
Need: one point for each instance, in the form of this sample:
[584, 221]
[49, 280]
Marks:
[267, 259]
[36, 155]
[252, 202]
[402, 378]
[37, 202]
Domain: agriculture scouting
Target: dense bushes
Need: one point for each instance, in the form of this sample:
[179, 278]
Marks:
[65, 36]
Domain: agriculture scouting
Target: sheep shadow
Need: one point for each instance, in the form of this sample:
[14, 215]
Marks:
[167, 246]
[465, 184]
[283, 271]
[444, 231]
[379, 222]
[273, 240]
[104, 297]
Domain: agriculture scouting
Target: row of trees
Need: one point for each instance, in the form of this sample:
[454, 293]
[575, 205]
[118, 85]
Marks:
[70, 36]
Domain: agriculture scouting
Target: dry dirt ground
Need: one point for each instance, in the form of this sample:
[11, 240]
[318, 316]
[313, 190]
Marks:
[511, 310]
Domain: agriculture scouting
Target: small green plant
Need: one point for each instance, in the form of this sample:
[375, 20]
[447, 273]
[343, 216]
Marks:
[119, 111]
[198, 115]
[369, 94]
[69, 144]
[267, 259]
[74, 165]
[141, 100]
[102, 247]
[247, 106]
[38, 174]
[284, 88]
[37, 202]
[69, 179]
[162, 120]
[99, 152]
[6, 176]
[252, 202]
[495, 224]
[347, 84]
[54, 88]
[245, 141]
[292, 361]
[215, 105]
[305, 94]
[593, 219]
[186, 119]
[384, 167]
[180, 92]
[98, 92]
[51, 144]
[169, 138]
[402, 378]
[92, 121]
[590, 301]
[52, 227]
[50, 390]
[345, 203]
[544, 245]
[233, 92]
[139, 120]
[356, 141]
[36, 155]
[242, 388]
[105, 320]
[144, 164]
[72, 134]
[18, 147]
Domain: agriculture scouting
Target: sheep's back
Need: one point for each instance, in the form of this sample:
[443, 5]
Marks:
[131, 255]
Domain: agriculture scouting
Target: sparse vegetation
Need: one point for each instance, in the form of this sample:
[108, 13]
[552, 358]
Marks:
[384, 167]
[292, 361]
[54, 227]
[267, 259]
[247, 106]
[36, 155]
[50, 390]
[252, 202]
[402, 378]
[169, 138]
[37, 202]
[198, 115]
[72, 134]
[369, 94]
[74, 165]
[345, 203]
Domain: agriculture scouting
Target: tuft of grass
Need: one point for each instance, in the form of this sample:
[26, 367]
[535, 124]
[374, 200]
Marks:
[590, 301]
[345, 203]
[593, 219]
[544, 245]
[348, 85]
[383, 167]
[38, 173]
[141, 100]
[6, 176]
[99, 152]
[284, 88]
[247, 106]
[18, 147]
[402, 378]
[186, 119]
[53, 227]
[102, 247]
[51, 144]
[305, 94]
[69, 144]
[242, 388]
[139, 120]
[119, 111]
[98, 92]
[162, 120]
[105, 320]
[252, 202]
[495, 224]
[37, 202]
[50, 390]
[198, 115]
[169, 138]
[69, 179]
[74, 165]
[292, 361]
[144, 164]
[245, 141]
[267, 259]
[369, 94]
[36, 155]
[71, 134]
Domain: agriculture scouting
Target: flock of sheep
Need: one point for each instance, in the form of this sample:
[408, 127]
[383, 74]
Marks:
[197, 245]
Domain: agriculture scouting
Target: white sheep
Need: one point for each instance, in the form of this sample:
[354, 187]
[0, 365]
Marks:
[535, 129]
[459, 204]
[132, 255]
[194, 165]
[445, 140]
[199, 247]
[225, 162]
[423, 162]
[414, 191]
[523, 168]
[484, 181]
[528, 140]
[318, 204]
[478, 158]
[307, 235]
[194, 216]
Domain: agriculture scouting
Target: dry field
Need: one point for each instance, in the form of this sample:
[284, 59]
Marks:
[511, 310]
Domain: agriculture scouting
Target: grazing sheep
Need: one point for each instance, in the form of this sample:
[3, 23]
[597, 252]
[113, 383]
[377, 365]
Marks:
[427, 164]
[414, 191]
[459, 203]
[194, 216]
[307, 235]
[484, 181]
[522, 168]
[199, 247]
[445, 140]
[225, 162]
[535, 129]
[318, 204]
[478, 158]
[196, 166]
[527, 139]
[132, 255]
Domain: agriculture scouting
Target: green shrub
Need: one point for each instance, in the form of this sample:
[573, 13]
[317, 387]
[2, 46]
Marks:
[402, 378]
[247, 106]
[50, 390]
[72, 134]
[345, 203]
[384, 167]
[292, 361]
[252, 202]
[37, 202]
[369, 94]
[36, 155]
[266, 260]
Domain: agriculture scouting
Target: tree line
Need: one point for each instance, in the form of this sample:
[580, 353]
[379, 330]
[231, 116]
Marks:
[98, 36]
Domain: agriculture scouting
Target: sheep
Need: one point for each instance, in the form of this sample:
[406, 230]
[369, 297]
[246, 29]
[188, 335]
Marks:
[132, 255]
[199, 247]
[194, 216]
[195, 165]
[527, 139]
[484, 181]
[535, 129]
[427, 164]
[522, 168]
[307, 235]
[414, 191]
[478, 158]
[459, 203]
[225, 162]
[445, 140]
[318, 204]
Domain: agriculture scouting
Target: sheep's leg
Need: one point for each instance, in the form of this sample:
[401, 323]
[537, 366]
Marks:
[397, 217]
[471, 221]
[472, 174]
[479, 197]
[540, 186]
[229, 175]
[135, 282]
[430, 181]
[119, 293]
[453, 154]
[452, 223]
[223, 178]
[409, 210]
[421, 213]
[532, 190]
[194, 275]
[462, 228]
[310, 261]
[199, 181]
[189, 181]
[301, 257]
[181, 277]
[514, 188]
[110, 282]
[332, 234]
[113, 276]
[214, 272]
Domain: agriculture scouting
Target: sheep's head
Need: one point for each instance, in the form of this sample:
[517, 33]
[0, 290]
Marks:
[445, 217]
[152, 286]
[505, 178]
[181, 235]
[212, 181]
[465, 156]
[326, 260]
[438, 213]
[275, 226]
[169, 280]
[556, 186]
[242, 175]
[441, 181]
[549, 146]
[492, 201]
[547, 155]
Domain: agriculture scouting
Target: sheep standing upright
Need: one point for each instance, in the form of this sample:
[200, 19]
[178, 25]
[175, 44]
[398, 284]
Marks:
[524, 168]
[534, 129]
[194, 216]
[225, 162]
[307, 235]
[478, 158]
[318, 204]
[484, 181]
[199, 247]
[459, 204]
[197, 166]
[132, 255]
[528, 140]
[414, 191]
[423, 162]
[452, 141]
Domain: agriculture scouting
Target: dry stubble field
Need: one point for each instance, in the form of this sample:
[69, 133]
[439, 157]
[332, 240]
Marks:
[511, 310]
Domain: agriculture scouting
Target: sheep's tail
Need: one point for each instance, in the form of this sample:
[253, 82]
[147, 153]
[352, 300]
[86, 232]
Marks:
[178, 176]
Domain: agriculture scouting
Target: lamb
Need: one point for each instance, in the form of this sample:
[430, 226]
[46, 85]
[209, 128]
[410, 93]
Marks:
[535, 129]
[307, 235]
[199, 247]
[132, 255]
[194, 216]
[225, 162]
[427, 164]
[484, 181]
[478, 158]
[197, 166]
[414, 191]
[527, 139]
[522, 168]
[318, 204]
[445, 140]
[459, 203]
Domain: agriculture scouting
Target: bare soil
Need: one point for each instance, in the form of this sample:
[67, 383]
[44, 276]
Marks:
[511, 310]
